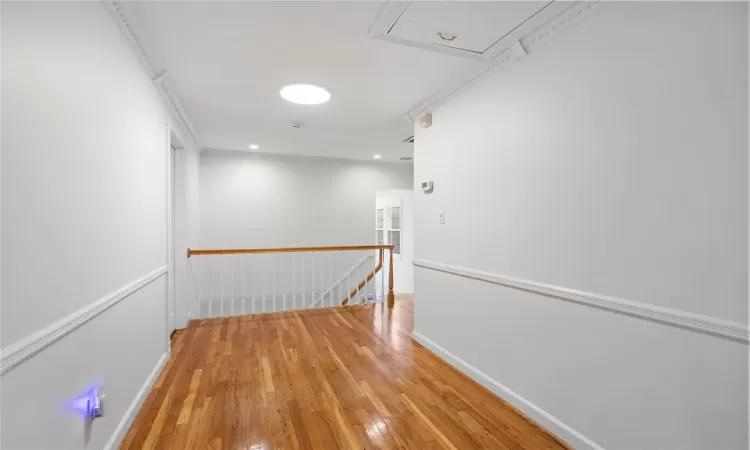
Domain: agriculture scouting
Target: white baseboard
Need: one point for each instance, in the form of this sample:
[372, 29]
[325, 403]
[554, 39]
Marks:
[135, 406]
[537, 414]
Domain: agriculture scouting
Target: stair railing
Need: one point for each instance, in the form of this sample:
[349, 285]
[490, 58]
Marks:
[229, 282]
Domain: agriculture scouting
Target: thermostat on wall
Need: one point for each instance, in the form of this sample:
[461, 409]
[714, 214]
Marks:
[427, 186]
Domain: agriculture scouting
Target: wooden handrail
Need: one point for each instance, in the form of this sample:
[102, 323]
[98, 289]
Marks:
[230, 251]
[363, 283]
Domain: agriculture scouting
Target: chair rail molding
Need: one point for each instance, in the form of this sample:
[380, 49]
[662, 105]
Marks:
[20, 351]
[571, 16]
[713, 326]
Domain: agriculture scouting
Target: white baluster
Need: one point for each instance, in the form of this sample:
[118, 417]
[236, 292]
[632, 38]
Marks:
[356, 281]
[242, 266]
[197, 281]
[294, 281]
[330, 276]
[374, 287]
[357, 276]
[221, 287]
[322, 282]
[303, 280]
[373, 284]
[231, 303]
[357, 266]
[367, 275]
[283, 296]
[367, 272]
[252, 262]
[263, 289]
[312, 279]
[382, 277]
[348, 281]
[273, 281]
[210, 300]
[359, 270]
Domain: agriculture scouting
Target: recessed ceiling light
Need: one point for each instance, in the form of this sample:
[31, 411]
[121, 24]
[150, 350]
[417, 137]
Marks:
[376, 156]
[254, 146]
[305, 94]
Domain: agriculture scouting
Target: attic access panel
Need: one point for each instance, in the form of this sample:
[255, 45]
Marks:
[471, 29]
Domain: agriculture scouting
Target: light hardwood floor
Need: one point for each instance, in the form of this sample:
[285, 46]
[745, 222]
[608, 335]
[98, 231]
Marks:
[348, 378]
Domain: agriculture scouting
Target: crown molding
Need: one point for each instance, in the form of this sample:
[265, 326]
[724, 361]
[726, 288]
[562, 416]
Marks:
[126, 23]
[701, 323]
[570, 15]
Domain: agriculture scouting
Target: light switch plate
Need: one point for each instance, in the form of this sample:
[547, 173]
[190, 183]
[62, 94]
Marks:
[442, 217]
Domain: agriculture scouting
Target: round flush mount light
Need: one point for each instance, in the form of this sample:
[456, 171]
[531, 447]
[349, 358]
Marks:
[254, 147]
[305, 94]
[376, 156]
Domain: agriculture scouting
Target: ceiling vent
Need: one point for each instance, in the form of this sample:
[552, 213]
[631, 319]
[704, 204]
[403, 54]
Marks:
[407, 158]
[409, 140]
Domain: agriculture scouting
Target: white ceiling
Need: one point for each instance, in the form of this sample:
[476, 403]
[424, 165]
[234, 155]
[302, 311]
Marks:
[227, 61]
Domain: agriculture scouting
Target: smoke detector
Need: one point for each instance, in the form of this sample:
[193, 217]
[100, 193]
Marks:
[297, 125]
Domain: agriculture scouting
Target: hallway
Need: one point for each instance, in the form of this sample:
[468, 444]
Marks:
[321, 379]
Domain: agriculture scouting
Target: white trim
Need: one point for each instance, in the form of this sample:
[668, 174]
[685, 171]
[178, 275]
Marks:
[126, 23]
[171, 291]
[571, 15]
[697, 322]
[551, 423]
[27, 347]
[135, 406]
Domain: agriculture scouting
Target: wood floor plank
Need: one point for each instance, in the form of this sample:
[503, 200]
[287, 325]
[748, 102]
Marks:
[330, 378]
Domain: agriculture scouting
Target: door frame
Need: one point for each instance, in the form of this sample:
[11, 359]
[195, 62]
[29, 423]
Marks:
[173, 145]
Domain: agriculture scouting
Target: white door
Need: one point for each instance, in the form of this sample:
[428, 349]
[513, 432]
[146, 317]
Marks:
[392, 226]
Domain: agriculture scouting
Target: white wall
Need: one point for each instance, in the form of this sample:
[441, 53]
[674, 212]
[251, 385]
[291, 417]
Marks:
[612, 160]
[403, 271]
[259, 200]
[83, 215]
[253, 200]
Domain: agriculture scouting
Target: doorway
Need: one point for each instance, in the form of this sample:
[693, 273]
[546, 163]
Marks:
[394, 225]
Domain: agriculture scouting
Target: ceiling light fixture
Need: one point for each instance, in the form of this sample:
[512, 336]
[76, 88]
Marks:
[376, 156]
[305, 94]
[254, 146]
